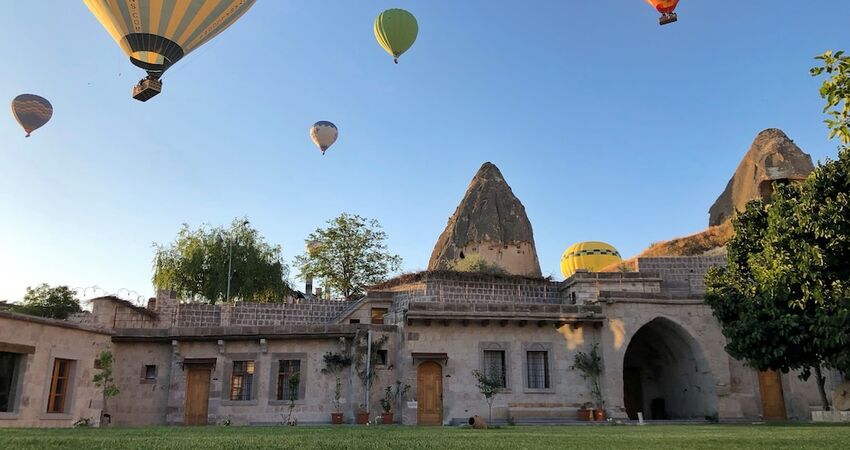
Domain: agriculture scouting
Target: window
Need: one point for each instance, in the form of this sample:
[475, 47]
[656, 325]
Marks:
[378, 315]
[9, 363]
[150, 372]
[381, 358]
[242, 380]
[494, 366]
[288, 379]
[354, 321]
[538, 369]
[58, 400]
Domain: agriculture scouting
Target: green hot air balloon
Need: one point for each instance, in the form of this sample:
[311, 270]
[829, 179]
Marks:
[396, 30]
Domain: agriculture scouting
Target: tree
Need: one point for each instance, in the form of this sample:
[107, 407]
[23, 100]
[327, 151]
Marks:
[52, 302]
[104, 379]
[489, 386]
[335, 364]
[197, 263]
[590, 366]
[784, 298]
[348, 255]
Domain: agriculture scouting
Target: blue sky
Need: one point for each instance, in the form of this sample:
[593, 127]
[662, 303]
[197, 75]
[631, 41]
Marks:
[607, 126]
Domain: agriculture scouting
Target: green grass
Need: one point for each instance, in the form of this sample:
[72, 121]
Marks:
[723, 437]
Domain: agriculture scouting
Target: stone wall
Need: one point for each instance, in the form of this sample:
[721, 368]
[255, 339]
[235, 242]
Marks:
[681, 274]
[39, 342]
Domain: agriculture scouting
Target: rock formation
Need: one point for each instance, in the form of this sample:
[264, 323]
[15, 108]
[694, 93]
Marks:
[772, 158]
[489, 226]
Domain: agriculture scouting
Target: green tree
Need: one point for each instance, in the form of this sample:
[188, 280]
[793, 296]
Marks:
[196, 264]
[348, 255]
[489, 386]
[53, 302]
[104, 378]
[784, 298]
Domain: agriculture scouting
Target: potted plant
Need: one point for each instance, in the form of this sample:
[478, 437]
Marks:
[366, 367]
[362, 415]
[590, 365]
[335, 364]
[390, 397]
[585, 413]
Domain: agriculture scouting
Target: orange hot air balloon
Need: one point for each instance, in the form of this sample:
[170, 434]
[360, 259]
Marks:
[666, 8]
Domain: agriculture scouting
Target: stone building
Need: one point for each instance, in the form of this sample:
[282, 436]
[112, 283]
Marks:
[662, 351]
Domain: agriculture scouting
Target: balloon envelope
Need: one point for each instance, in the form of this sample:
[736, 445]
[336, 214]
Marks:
[324, 134]
[155, 34]
[31, 111]
[664, 6]
[592, 256]
[396, 31]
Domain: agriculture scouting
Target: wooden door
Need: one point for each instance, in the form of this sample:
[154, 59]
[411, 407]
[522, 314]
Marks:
[772, 400]
[429, 394]
[197, 395]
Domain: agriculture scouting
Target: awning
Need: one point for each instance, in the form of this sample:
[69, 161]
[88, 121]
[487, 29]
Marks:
[432, 356]
[199, 362]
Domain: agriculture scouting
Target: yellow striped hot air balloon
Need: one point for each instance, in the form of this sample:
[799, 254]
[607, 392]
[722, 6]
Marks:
[31, 111]
[155, 34]
[592, 256]
[396, 31]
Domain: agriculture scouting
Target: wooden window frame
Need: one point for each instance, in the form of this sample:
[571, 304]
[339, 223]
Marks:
[377, 319]
[282, 386]
[274, 381]
[504, 347]
[58, 403]
[246, 383]
[549, 366]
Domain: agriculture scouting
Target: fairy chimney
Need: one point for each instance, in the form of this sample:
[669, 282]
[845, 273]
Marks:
[490, 224]
[773, 158]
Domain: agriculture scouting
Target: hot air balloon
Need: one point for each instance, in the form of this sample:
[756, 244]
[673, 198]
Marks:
[324, 134]
[31, 111]
[592, 256]
[666, 8]
[396, 30]
[155, 34]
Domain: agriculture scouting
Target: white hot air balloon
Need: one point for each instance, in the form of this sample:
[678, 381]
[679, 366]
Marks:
[324, 134]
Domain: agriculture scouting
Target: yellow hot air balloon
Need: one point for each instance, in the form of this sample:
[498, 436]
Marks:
[31, 111]
[155, 34]
[396, 31]
[592, 256]
[324, 134]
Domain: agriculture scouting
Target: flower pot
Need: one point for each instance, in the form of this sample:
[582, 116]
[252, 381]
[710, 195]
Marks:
[599, 415]
[387, 418]
[585, 414]
[336, 418]
[362, 418]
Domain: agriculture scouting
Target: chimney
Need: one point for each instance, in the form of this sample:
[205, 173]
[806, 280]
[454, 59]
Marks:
[319, 293]
[308, 288]
[152, 303]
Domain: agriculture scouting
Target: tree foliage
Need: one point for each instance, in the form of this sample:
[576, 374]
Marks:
[349, 255]
[590, 366]
[836, 91]
[784, 298]
[196, 264]
[489, 383]
[52, 302]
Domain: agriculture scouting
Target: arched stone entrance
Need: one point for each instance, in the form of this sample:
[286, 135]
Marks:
[666, 375]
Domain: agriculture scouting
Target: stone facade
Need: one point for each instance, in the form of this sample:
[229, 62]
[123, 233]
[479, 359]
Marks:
[662, 351]
[36, 344]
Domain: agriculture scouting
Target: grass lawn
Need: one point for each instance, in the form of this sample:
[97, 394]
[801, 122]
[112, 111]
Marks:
[381, 437]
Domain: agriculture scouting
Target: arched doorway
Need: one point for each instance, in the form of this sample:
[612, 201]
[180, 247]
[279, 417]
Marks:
[429, 394]
[666, 375]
